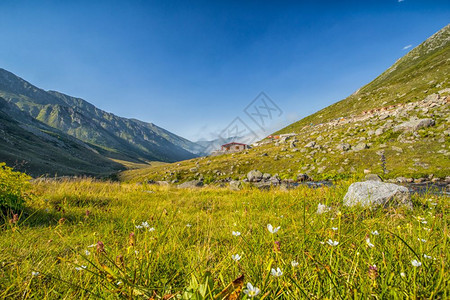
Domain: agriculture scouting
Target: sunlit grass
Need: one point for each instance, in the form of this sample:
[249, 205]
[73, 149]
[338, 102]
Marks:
[158, 241]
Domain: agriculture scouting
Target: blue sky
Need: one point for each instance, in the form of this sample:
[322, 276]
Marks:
[193, 66]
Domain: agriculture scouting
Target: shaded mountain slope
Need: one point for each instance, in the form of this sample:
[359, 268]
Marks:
[110, 135]
[33, 147]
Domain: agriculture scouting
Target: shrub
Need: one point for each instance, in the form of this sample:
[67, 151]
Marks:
[14, 188]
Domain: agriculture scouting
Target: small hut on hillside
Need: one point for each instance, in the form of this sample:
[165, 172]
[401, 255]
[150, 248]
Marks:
[233, 147]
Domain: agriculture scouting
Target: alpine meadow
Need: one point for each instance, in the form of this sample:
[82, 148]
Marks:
[350, 202]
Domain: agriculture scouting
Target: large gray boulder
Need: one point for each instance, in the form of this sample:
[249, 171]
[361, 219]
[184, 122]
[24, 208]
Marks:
[375, 193]
[254, 176]
[413, 125]
[191, 184]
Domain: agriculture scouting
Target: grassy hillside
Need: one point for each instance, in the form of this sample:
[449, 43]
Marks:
[423, 71]
[87, 239]
[364, 133]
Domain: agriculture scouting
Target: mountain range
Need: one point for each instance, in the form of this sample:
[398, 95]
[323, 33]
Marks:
[47, 132]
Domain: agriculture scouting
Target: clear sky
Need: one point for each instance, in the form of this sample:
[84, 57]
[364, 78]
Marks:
[193, 66]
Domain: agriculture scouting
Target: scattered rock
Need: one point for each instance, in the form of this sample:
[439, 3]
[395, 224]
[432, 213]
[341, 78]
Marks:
[303, 177]
[275, 179]
[360, 146]
[398, 149]
[310, 144]
[401, 179]
[266, 176]
[191, 184]
[343, 147]
[162, 183]
[193, 170]
[413, 125]
[419, 180]
[235, 185]
[254, 176]
[262, 185]
[321, 169]
[286, 185]
[374, 193]
[379, 131]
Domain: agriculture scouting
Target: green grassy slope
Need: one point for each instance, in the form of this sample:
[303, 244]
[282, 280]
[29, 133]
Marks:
[421, 72]
[416, 86]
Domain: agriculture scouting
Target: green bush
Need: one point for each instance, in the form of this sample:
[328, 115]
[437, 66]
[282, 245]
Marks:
[14, 188]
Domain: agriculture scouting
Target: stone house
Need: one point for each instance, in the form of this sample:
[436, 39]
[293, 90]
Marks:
[233, 147]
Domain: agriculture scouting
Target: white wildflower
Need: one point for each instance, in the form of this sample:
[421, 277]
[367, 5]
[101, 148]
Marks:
[272, 229]
[236, 257]
[322, 208]
[251, 290]
[375, 232]
[236, 233]
[294, 263]
[276, 273]
[416, 263]
[332, 243]
[369, 243]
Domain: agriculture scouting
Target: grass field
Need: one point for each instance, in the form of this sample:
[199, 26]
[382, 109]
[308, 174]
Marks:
[90, 239]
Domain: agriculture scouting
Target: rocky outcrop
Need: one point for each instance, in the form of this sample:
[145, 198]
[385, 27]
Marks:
[374, 193]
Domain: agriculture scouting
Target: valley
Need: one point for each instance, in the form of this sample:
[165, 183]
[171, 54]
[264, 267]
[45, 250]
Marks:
[350, 202]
